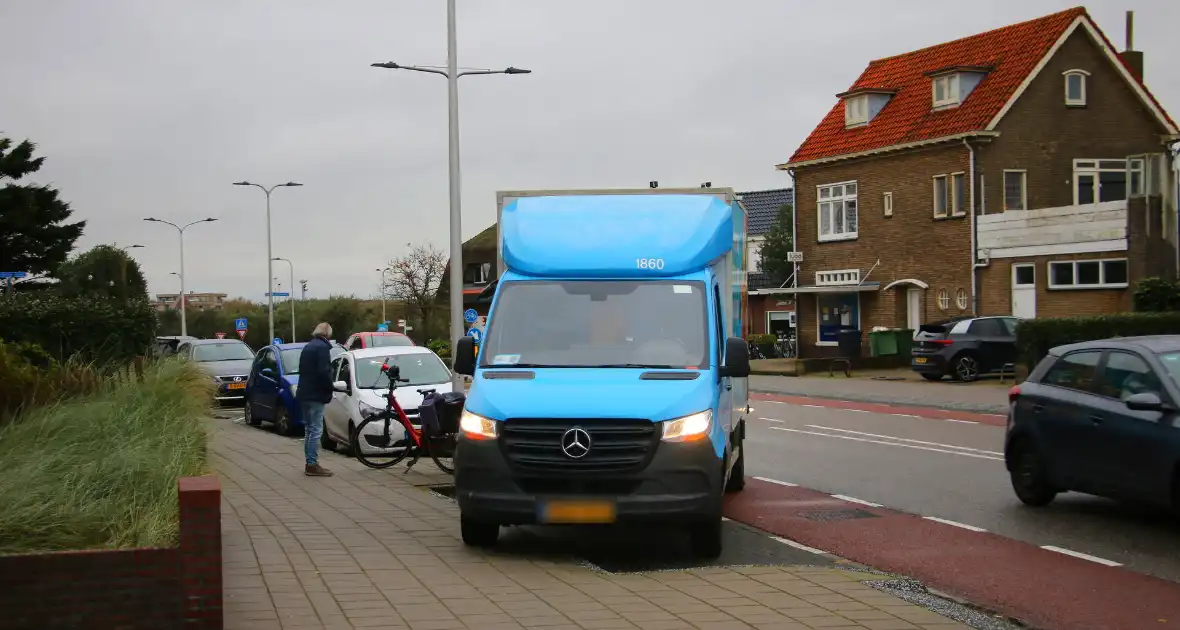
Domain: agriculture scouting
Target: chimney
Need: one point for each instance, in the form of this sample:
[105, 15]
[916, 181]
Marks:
[1133, 58]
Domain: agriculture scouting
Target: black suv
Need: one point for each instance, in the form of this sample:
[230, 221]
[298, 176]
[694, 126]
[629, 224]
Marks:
[964, 347]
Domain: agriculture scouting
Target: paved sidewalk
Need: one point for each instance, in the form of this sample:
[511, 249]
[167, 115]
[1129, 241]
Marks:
[375, 549]
[982, 397]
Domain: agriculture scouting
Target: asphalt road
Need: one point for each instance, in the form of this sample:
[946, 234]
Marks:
[947, 470]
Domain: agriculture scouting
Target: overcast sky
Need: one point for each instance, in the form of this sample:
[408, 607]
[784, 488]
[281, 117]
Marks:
[154, 107]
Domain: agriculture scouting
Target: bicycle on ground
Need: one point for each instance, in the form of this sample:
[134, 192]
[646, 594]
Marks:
[436, 438]
[786, 346]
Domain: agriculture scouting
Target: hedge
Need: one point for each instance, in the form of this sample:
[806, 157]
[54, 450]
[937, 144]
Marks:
[1035, 337]
[90, 329]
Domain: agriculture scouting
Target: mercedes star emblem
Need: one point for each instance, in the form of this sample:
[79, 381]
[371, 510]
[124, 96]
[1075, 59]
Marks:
[575, 443]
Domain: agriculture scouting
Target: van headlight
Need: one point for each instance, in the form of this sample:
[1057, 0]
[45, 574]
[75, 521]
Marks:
[688, 428]
[477, 427]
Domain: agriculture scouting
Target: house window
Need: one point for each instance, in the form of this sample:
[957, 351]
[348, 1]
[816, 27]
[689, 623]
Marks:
[856, 111]
[961, 299]
[1100, 180]
[946, 90]
[944, 299]
[941, 199]
[1015, 190]
[1135, 181]
[836, 312]
[1075, 88]
[1088, 274]
[888, 204]
[959, 194]
[477, 273]
[837, 211]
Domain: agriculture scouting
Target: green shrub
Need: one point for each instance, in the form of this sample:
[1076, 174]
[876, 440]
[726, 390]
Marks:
[1035, 337]
[1157, 295]
[92, 329]
[29, 377]
[101, 471]
[441, 347]
[762, 339]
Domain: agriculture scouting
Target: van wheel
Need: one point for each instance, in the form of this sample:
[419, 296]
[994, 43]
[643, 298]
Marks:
[478, 533]
[705, 538]
[737, 474]
[1030, 479]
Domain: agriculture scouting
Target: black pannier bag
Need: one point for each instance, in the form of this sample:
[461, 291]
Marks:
[440, 413]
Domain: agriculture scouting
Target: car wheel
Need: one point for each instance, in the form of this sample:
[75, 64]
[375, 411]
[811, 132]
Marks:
[478, 533]
[932, 377]
[326, 442]
[248, 415]
[283, 420]
[1030, 478]
[966, 368]
[737, 474]
[705, 538]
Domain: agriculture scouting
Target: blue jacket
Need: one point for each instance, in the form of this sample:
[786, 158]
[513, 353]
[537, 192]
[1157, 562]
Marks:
[315, 374]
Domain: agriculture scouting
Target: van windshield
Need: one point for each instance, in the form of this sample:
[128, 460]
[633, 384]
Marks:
[580, 323]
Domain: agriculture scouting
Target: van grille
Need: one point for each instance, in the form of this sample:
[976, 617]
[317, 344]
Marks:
[616, 446]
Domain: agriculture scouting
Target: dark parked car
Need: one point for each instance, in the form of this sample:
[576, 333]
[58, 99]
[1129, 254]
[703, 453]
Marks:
[1099, 417]
[227, 361]
[964, 348]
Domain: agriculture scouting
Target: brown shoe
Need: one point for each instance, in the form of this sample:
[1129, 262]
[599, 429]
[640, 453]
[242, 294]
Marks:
[316, 471]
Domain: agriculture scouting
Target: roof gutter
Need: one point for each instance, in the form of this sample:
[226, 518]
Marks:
[887, 149]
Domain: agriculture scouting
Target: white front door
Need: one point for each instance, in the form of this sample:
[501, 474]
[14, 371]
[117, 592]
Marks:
[913, 309]
[1024, 291]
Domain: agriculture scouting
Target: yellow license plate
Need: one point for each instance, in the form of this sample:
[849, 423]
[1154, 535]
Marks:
[919, 360]
[236, 386]
[578, 512]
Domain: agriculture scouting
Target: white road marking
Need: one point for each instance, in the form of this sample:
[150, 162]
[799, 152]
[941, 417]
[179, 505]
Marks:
[954, 523]
[771, 420]
[960, 421]
[777, 402]
[859, 410]
[781, 483]
[1083, 556]
[849, 499]
[800, 546]
[905, 415]
[914, 446]
[890, 437]
[812, 406]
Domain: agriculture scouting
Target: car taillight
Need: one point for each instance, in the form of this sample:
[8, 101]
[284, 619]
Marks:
[1013, 393]
[942, 342]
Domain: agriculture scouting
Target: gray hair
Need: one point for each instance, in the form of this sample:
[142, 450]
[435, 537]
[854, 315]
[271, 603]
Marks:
[322, 329]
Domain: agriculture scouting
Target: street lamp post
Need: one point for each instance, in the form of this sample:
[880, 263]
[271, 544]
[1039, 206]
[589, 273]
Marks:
[291, 297]
[383, 285]
[180, 231]
[452, 75]
[270, 298]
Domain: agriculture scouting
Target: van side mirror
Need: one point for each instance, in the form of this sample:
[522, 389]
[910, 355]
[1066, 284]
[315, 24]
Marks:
[340, 386]
[463, 361]
[1145, 401]
[736, 363]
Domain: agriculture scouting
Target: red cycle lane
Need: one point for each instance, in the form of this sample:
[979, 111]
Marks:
[932, 413]
[1042, 588]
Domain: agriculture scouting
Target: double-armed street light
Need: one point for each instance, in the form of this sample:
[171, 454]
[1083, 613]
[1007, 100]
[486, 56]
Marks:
[180, 231]
[270, 298]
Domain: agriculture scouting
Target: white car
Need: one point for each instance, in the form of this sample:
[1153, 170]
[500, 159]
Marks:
[358, 374]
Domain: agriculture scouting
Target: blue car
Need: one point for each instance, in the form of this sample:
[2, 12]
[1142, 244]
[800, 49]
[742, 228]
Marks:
[271, 387]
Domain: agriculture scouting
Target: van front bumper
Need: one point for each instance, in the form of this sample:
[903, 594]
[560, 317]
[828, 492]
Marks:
[681, 482]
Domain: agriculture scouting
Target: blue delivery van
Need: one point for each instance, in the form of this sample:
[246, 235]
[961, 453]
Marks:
[610, 384]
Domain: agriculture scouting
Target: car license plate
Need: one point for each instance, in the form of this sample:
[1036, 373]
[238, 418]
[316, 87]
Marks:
[236, 386]
[578, 512]
[919, 360]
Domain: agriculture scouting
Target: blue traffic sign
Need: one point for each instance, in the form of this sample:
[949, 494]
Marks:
[475, 334]
[383, 327]
[13, 274]
[240, 323]
[470, 315]
[280, 294]
[278, 340]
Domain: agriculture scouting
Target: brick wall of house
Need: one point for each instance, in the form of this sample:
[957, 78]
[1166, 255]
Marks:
[127, 589]
[995, 285]
[1043, 136]
[909, 244]
[1149, 253]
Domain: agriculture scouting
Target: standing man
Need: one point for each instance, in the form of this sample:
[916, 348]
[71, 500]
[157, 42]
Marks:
[315, 391]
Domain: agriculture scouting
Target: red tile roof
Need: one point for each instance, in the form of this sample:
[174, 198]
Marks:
[1012, 52]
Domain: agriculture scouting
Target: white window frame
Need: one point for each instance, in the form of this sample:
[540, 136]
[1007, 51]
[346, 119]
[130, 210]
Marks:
[1023, 188]
[1102, 284]
[982, 196]
[1082, 78]
[837, 278]
[961, 300]
[957, 211]
[856, 111]
[1096, 167]
[819, 320]
[790, 318]
[888, 204]
[831, 199]
[944, 300]
[945, 210]
[950, 92]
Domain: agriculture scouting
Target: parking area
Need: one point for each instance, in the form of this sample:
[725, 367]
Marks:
[381, 549]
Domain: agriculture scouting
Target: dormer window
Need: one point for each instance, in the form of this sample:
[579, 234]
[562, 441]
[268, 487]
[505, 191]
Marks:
[1075, 88]
[861, 105]
[946, 90]
[950, 86]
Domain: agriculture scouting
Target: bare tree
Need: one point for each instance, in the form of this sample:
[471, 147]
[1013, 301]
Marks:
[414, 280]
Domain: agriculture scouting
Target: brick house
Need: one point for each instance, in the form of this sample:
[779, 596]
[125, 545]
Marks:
[479, 272]
[1022, 171]
[772, 307]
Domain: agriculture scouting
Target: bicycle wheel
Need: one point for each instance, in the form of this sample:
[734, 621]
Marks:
[442, 451]
[378, 457]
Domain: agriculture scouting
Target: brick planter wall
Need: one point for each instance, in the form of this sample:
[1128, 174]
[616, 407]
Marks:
[176, 587]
